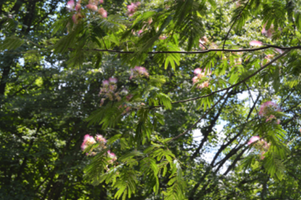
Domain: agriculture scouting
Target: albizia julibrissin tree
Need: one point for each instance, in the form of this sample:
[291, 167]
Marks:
[182, 66]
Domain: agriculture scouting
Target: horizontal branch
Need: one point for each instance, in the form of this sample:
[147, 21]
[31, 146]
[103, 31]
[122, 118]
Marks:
[197, 52]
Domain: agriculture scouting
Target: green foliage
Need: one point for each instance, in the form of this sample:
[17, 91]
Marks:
[11, 43]
[177, 133]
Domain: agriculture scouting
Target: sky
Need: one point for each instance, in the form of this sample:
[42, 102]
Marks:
[198, 136]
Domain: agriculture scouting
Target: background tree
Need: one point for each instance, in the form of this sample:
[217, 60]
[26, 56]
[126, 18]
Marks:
[164, 69]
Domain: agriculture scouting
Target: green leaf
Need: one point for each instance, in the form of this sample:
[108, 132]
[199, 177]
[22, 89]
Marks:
[113, 139]
[11, 43]
[165, 100]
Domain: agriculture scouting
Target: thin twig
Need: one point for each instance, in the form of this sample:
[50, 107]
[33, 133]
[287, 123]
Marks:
[204, 46]
[221, 90]
[227, 89]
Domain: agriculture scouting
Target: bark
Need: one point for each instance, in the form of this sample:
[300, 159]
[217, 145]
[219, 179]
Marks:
[7, 63]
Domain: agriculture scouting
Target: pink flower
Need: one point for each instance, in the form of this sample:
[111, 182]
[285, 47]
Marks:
[104, 90]
[101, 139]
[256, 43]
[105, 83]
[263, 31]
[261, 145]
[203, 85]
[78, 7]
[88, 140]
[150, 20]
[102, 101]
[92, 7]
[100, 1]
[267, 107]
[266, 145]
[89, 6]
[278, 121]
[74, 18]
[132, 8]
[270, 103]
[268, 57]
[203, 40]
[213, 46]
[201, 75]
[142, 70]
[113, 80]
[262, 155]
[70, 5]
[112, 88]
[202, 46]
[197, 71]
[112, 156]
[270, 118]
[268, 33]
[279, 50]
[137, 71]
[253, 139]
[195, 80]
[162, 37]
[103, 12]
[91, 154]
[140, 31]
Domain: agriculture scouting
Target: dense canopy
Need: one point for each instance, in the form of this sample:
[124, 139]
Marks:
[150, 99]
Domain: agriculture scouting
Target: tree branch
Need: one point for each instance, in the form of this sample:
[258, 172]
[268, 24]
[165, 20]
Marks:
[227, 89]
[235, 137]
[209, 129]
[196, 52]
[235, 161]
